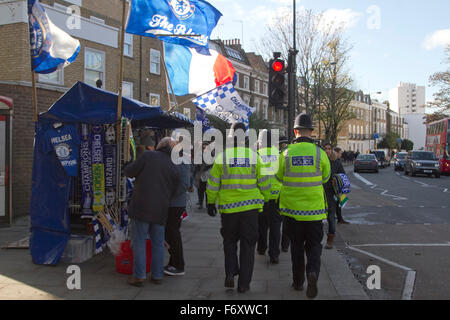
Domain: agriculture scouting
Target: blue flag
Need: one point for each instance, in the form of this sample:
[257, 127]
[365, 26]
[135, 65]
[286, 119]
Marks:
[174, 17]
[51, 48]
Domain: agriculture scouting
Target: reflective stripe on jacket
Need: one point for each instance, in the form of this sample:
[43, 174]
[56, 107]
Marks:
[270, 158]
[236, 181]
[303, 169]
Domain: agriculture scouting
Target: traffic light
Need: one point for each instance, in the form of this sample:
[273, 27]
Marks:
[277, 82]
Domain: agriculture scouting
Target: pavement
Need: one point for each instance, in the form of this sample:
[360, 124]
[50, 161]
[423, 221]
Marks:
[204, 278]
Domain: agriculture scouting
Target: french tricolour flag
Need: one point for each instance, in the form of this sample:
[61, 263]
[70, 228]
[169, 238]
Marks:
[191, 72]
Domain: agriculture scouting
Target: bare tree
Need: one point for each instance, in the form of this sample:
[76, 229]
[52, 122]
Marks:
[442, 79]
[319, 44]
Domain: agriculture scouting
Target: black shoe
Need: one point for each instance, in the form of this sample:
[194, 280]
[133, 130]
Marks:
[285, 249]
[229, 282]
[172, 271]
[311, 290]
[274, 260]
[297, 286]
[243, 289]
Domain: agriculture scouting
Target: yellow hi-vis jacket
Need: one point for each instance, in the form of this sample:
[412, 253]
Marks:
[236, 181]
[303, 169]
[270, 158]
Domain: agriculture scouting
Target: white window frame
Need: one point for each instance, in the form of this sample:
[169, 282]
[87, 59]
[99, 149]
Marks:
[237, 80]
[125, 83]
[103, 66]
[157, 96]
[257, 88]
[58, 82]
[247, 82]
[265, 88]
[154, 62]
[129, 44]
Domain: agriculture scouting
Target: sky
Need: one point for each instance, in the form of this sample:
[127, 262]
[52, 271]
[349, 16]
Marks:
[393, 40]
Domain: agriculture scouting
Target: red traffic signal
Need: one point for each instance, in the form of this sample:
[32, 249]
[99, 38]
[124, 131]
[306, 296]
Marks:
[278, 65]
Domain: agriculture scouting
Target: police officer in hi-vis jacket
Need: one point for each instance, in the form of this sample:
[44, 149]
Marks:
[303, 169]
[237, 184]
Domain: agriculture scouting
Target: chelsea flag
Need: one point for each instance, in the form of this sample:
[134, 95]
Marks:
[50, 47]
[225, 103]
[193, 20]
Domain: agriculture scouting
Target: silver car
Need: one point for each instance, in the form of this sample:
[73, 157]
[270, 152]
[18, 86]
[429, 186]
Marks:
[366, 162]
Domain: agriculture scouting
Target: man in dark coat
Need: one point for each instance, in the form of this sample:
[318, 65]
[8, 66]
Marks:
[156, 182]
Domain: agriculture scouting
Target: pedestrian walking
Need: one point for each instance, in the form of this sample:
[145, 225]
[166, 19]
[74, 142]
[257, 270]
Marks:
[336, 167]
[284, 142]
[156, 183]
[270, 219]
[241, 190]
[201, 178]
[303, 169]
[177, 207]
[340, 219]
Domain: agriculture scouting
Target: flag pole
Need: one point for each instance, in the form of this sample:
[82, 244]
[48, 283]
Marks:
[169, 83]
[34, 94]
[119, 106]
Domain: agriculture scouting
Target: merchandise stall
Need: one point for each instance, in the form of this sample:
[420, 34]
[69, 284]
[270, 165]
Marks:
[79, 192]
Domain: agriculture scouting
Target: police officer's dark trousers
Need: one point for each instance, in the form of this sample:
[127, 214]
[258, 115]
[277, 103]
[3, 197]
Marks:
[270, 220]
[240, 227]
[306, 237]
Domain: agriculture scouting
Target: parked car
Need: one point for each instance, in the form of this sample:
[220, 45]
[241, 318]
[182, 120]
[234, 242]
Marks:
[400, 161]
[423, 162]
[366, 162]
[381, 157]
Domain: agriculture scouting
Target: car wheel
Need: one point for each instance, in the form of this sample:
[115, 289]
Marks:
[354, 170]
[376, 171]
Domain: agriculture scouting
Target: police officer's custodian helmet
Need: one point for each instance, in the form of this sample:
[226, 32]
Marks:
[303, 121]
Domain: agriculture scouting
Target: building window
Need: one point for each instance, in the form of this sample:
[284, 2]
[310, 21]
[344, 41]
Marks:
[237, 80]
[155, 61]
[56, 77]
[257, 106]
[127, 89]
[265, 110]
[154, 100]
[257, 86]
[94, 66]
[128, 47]
[265, 88]
[187, 112]
[246, 82]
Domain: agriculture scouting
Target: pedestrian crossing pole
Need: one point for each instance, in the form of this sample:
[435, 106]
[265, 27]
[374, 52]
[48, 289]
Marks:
[292, 82]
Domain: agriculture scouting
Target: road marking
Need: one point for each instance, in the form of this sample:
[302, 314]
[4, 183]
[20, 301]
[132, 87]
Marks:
[424, 184]
[445, 190]
[384, 193]
[403, 244]
[367, 182]
[397, 173]
[406, 178]
[408, 287]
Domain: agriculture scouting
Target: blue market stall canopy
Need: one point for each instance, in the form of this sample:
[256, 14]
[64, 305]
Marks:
[86, 104]
[51, 185]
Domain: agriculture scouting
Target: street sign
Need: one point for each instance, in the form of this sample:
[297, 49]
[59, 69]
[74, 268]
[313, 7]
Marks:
[376, 135]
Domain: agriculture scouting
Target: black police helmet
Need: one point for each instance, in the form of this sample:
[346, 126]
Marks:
[303, 121]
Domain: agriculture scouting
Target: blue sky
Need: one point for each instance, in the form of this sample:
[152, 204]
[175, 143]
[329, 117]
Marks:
[405, 44]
